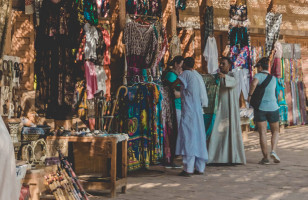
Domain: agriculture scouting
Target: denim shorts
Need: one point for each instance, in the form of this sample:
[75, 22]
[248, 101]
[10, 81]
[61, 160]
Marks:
[270, 116]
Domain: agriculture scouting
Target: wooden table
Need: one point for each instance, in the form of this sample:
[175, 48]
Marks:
[106, 147]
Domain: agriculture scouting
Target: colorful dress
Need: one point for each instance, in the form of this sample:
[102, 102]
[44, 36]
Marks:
[212, 83]
[281, 100]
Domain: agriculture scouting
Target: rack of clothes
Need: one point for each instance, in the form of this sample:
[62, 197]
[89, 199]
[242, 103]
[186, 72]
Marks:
[73, 57]
[144, 7]
[239, 40]
[146, 43]
[139, 114]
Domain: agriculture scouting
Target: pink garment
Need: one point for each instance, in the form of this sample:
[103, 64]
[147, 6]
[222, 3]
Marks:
[276, 68]
[107, 43]
[91, 79]
[278, 50]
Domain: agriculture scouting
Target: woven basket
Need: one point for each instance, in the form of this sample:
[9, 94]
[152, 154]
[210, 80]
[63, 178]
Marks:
[31, 137]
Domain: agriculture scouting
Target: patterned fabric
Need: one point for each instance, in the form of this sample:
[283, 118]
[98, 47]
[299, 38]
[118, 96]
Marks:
[212, 84]
[139, 116]
[287, 50]
[170, 123]
[144, 7]
[140, 40]
[239, 36]
[302, 100]
[238, 12]
[273, 22]
[208, 22]
[175, 47]
[289, 102]
[55, 70]
[281, 100]
[240, 57]
[90, 11]
[143, 48]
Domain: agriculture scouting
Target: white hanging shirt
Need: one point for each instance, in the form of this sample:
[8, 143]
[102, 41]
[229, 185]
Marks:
[101, 78]
[211, 55]
[91, 41]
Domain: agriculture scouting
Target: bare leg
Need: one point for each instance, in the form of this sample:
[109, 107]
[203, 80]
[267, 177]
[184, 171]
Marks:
[275, 135]
[262, 126]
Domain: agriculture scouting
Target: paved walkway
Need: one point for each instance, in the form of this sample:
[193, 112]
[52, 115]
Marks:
[285, 181]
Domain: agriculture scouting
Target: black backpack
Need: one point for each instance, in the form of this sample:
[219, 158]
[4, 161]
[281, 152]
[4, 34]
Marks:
[256, 97]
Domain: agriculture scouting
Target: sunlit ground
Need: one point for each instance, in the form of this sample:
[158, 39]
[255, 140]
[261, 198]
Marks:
[285, 181]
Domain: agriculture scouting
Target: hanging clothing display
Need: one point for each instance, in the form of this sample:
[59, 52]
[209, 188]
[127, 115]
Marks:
[137, 116]
[90, 11]
[103, 8]
[281, 100]
[239, 36]
[297, 51]
[240, 57]
[141, 7]
[55, 69]
[141, 44]
[208, 22]
[211, 55]
[101, 78]
[91, 78]
[91, 41]
[240, 54]
[302, 102]
[272, 30]
[175, 47]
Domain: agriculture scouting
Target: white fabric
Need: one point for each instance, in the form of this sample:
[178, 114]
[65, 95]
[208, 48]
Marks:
[203, 92]
[101, 78]
[192, 162]
[91, 41]
[191, 140]
[119, 136]
[211, 55]
[8, 179]
[243, 76]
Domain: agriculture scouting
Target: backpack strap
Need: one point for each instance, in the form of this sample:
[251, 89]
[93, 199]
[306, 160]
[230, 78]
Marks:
[266, 81]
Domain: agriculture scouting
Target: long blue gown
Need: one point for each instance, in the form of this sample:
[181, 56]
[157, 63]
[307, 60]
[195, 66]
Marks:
[191, 139]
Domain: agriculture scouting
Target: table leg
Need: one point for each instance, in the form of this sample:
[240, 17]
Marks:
[113, 171]
[124, 163]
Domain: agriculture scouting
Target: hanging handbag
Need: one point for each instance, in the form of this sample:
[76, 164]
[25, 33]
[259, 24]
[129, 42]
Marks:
[257, 96]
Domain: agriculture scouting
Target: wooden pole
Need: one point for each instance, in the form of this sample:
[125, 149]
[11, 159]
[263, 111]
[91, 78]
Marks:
[117, 22]
[169, 17]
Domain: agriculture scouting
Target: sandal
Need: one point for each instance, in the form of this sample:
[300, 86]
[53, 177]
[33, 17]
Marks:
[264, 161]
[185, 174]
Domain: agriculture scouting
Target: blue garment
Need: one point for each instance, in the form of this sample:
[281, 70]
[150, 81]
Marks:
[191, 139]
[269, 100]
[192, 162]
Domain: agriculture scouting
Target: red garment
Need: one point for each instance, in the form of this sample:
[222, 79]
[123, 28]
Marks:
[107, 41]
[276, 68]
[91, 79]
[24, 193]
[289, 102]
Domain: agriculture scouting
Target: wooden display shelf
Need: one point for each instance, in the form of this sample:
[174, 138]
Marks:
[107, 149]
